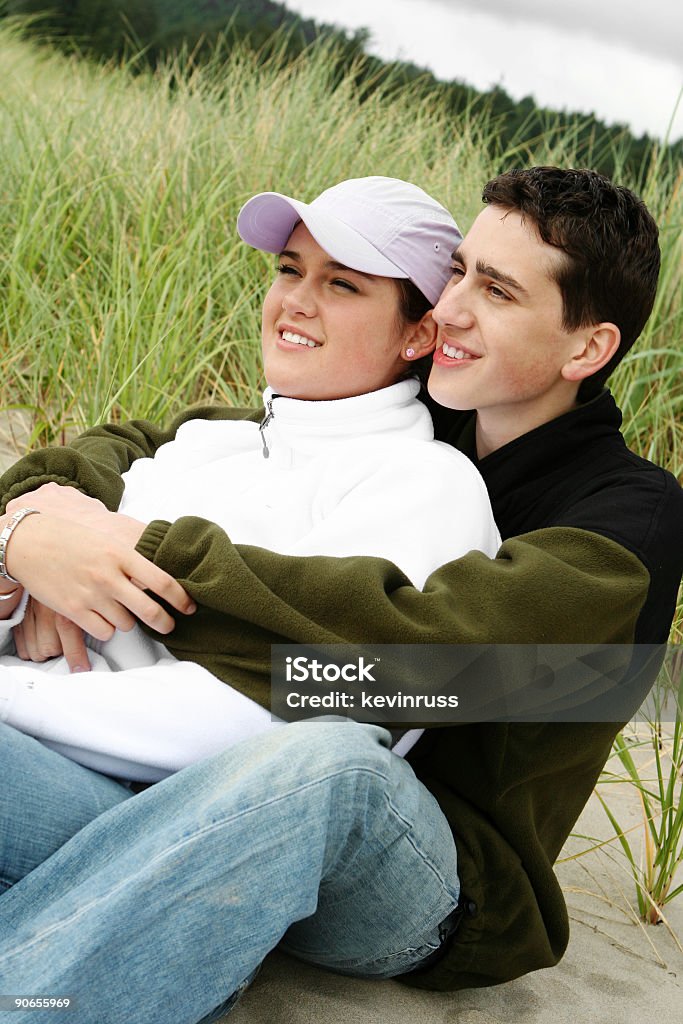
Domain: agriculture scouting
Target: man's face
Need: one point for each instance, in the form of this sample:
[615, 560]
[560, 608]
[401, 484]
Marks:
[501, 345]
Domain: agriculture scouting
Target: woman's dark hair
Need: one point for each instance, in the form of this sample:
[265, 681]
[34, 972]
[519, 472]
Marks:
[412, 306]
[610, 245]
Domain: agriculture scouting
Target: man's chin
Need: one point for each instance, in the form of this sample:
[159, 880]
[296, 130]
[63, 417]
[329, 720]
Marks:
[447, 397]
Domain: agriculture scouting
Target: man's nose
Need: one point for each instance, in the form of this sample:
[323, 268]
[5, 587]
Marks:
[454, 306]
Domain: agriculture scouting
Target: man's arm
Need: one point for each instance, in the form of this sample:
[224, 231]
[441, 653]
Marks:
[557, 586]
[95, 461]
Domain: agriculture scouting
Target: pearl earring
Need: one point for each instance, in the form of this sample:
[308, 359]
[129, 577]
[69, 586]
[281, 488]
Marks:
[410, 352]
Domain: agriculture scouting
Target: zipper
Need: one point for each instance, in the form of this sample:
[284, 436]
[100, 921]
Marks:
[262, 427]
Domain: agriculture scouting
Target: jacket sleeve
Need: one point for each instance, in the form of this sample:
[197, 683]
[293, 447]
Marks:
[95, 461]
[250, 598]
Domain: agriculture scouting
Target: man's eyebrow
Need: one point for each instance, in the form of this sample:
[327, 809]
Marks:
[486, 270]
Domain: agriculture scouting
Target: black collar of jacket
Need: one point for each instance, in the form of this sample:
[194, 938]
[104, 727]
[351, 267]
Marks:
[519, 474]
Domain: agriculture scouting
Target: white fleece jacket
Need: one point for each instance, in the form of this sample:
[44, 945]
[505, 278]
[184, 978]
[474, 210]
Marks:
[359, 476]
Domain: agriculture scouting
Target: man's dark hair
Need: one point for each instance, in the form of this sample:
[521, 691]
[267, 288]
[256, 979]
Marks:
[610, 243]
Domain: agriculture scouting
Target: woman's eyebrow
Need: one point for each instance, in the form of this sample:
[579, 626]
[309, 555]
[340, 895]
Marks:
[334, 265]
[329, 265]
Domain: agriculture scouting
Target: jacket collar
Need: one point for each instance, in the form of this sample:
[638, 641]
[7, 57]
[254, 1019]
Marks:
[599, 417]
[291, 424]
[518, 473]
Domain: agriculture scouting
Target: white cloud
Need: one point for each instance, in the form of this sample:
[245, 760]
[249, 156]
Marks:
[567, 56]
[655, 27]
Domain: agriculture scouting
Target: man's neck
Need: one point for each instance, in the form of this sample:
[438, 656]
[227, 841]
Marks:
[498, 426]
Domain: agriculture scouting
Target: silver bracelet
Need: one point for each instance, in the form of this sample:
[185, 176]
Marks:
[14, 521]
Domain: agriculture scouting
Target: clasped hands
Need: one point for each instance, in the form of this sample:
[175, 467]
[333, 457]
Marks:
[78, 562]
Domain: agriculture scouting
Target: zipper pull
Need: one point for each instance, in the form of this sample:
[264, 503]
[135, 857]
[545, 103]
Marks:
[262, 427]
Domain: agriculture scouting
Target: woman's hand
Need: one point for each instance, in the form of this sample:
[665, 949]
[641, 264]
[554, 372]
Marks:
[10, 596]
[94, 577]
[43, 634]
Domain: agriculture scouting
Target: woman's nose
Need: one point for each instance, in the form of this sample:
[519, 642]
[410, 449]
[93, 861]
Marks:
[300, 298]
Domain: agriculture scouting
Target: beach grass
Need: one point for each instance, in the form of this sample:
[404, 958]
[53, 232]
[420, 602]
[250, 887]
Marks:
[648, 758]
[124, 289]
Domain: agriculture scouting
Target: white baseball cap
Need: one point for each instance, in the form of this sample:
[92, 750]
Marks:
[381, 226]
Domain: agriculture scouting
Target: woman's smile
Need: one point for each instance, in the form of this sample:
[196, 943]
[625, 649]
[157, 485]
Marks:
[289, 337]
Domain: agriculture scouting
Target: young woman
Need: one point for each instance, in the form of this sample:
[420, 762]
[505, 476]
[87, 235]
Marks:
[344, 462]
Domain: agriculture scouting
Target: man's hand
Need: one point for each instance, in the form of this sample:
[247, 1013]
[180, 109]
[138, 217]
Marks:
[66, 502]
[44, 634]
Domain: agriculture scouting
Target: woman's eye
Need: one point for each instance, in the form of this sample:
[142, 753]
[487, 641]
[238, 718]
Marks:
[341, 283]
[286, 268]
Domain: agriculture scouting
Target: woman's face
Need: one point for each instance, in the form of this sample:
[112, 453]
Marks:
[327, 331]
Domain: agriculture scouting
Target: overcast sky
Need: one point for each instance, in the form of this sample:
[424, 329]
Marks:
[622, 59]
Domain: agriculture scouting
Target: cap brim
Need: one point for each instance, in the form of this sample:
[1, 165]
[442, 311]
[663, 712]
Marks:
[267, 220]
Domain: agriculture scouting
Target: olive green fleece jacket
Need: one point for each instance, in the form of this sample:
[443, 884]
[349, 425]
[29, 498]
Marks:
[510, 792]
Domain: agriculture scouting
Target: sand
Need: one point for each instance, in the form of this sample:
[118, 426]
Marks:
[615, 971]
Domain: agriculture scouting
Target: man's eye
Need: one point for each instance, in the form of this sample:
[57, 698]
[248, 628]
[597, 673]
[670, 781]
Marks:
[497, 292]
[457, 271]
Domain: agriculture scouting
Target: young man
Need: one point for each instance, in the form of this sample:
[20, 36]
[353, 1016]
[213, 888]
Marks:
[320, 834]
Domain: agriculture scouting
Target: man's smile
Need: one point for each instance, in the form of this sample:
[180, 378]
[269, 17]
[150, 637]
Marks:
[451, 355]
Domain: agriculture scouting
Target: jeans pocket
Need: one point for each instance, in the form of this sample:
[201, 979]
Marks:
[447, 930]
[420, 955]
[401, 962]
[232, 999]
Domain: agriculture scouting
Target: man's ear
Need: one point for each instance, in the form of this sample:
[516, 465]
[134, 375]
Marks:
[599, 343]
[420, 338]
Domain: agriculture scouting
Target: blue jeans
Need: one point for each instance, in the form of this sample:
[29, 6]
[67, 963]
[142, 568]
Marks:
[162, 905]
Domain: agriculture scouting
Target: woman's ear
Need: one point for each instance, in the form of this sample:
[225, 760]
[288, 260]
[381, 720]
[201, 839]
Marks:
[601, 341]
[420, 338]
